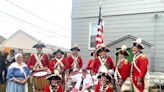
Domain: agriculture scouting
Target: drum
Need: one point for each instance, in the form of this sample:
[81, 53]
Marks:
[39, 80]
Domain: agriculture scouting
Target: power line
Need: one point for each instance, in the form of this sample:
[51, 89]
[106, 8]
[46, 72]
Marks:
[26, 22]
[20, 26]
[36, 15]
[50, 8]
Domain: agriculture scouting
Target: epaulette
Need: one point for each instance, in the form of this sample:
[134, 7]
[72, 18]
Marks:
[143, 56]
[126, 61]
[31, 54]
[110, 86]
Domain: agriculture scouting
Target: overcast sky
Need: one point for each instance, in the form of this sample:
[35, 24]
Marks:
[45, 20]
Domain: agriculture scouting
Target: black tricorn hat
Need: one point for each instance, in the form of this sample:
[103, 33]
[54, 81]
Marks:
[101, 48]
[58, 51]
[92, 53]
[39, 45]
[107, 75]
[138, 45]
[55, 76]
[123, 51]
[75, 47]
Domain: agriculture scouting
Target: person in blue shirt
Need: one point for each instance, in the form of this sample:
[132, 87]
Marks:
[17, 75]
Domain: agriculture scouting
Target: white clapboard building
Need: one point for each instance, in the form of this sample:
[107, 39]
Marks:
[124, 21]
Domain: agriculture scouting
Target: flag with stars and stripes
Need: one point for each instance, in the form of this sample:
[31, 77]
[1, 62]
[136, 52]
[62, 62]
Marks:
[99, 36]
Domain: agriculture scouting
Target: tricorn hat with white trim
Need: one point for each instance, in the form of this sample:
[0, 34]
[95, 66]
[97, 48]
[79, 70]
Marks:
[39, 45]
[101, 48]
[58, 51]
[92, 53]
[107, 73]
[75, 47]
[138, 43]
[123, 51]
[55, 76]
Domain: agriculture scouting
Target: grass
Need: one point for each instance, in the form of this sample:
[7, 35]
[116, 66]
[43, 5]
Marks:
[3, 87]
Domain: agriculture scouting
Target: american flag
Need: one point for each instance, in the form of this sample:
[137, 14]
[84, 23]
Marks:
[100, 36]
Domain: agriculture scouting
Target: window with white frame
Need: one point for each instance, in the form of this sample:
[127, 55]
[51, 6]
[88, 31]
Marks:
[92, 35]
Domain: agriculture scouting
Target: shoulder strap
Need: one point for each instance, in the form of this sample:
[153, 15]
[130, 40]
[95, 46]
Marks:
[50, 89]
[116, 71]
[59, 63]
[102, 67]
[38, 60]
[134, 62]
[101, 62]
[75, 60]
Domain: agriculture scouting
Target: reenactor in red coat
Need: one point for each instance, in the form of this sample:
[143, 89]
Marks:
[54, 86]
[38, 61]
[104, 84]
[59, 62]
[102, 61]
[122, 69]
[139, 66]
[91, 61]
[74, 60]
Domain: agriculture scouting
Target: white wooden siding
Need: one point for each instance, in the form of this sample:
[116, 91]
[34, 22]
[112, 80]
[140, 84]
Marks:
[89, 8]
[138, 25]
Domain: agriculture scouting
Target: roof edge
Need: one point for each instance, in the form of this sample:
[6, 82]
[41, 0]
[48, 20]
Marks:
[126, 37]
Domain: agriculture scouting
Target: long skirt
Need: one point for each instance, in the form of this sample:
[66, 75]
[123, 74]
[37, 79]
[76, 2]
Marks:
[15, 87]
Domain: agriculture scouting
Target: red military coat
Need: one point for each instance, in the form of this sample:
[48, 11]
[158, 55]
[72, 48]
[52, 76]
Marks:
[109, 88]
[141, 62]
[90, 64]
[124, 69]
[97, 64]
[70, 61]
[32, 60]
[47, 89]
[54, 61]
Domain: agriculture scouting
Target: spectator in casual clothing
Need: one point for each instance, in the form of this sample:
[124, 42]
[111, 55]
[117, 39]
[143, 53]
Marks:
[3, 56]
[11, 57]
[84, 81]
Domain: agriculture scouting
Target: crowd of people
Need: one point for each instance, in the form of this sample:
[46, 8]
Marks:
[67, 73]
[5, 61]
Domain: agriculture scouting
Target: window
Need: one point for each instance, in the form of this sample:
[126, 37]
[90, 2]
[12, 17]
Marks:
[92, 35]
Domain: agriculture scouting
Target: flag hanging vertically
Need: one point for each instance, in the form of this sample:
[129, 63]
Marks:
[99, 36]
